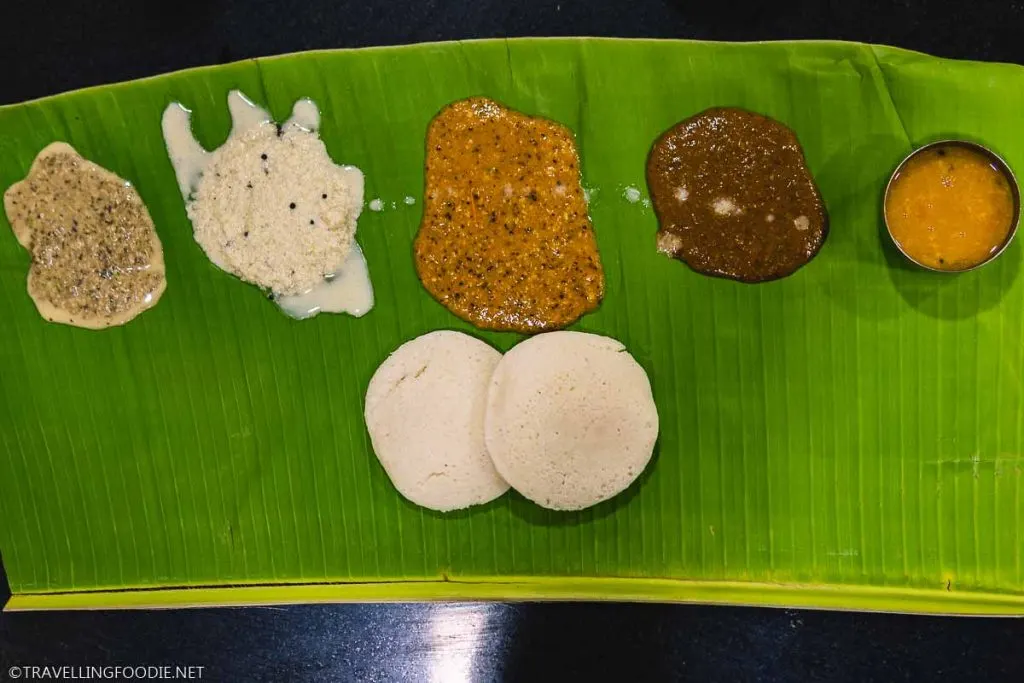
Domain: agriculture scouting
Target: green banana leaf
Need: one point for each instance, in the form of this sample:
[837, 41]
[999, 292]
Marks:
[850, 436]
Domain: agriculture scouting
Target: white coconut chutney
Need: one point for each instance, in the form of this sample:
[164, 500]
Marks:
[271, 207]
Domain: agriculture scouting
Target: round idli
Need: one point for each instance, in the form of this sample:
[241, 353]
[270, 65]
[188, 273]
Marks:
[571, 420]
[425, 414]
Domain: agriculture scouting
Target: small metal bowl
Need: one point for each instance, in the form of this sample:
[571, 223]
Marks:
[997, 163]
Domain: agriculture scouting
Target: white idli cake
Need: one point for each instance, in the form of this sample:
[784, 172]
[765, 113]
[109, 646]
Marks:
[425, 414]
[571, 420]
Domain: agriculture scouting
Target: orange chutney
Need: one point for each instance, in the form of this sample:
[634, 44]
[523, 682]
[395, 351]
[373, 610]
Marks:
[949, 208]
[506, 242]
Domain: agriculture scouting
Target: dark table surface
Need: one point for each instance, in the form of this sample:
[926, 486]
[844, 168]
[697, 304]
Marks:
[48, 47]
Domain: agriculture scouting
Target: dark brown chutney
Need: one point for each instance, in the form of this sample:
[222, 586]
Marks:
[506, 242]
[734, 197]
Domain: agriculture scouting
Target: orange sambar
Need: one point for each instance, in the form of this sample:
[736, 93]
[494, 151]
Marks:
[949, 207]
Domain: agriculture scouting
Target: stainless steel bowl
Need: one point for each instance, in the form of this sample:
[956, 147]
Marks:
[997, 163]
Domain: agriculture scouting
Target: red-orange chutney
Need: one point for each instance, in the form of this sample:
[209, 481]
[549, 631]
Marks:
[506, 242]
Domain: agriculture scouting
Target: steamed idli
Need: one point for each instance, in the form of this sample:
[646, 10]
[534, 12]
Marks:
[571, 420]
[425, 414]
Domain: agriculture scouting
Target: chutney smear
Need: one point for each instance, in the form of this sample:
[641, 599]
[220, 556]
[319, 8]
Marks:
[734, 196]
[96, 257]
[506, 242]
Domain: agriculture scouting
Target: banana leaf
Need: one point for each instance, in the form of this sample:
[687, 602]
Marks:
[850, 436]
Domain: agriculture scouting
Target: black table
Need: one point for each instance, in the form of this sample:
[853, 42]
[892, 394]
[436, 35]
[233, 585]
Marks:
[56, 46]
